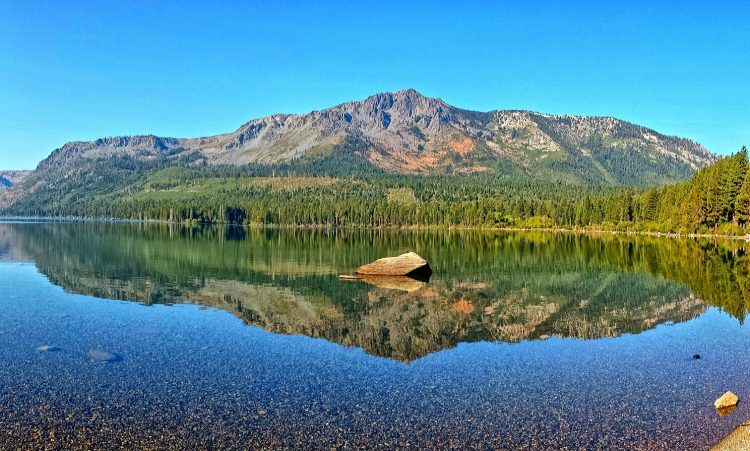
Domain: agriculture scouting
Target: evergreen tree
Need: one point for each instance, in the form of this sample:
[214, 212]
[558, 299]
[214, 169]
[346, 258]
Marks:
[736, 176]
[742, 203]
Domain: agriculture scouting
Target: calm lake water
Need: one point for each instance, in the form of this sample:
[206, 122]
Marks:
[143, 335]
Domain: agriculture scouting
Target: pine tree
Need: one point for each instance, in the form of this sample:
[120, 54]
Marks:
[736, 179]
[711, 198]
[742, 203]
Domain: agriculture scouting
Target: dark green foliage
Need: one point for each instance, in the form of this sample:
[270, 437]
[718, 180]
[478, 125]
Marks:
[742, 201]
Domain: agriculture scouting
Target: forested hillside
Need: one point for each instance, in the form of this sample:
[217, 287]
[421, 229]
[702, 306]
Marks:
[715, 200]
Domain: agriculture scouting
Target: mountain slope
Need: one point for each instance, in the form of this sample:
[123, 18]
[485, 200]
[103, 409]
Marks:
[402, 132]
[10, 178]
[409, 133]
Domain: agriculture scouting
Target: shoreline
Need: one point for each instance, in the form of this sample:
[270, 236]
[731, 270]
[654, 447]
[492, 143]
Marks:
[745, 237]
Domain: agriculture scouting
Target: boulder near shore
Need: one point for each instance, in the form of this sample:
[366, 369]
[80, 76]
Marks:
[726, 400]
[409, 264]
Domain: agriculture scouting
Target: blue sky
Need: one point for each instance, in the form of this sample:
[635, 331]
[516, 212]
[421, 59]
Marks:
[81, 70]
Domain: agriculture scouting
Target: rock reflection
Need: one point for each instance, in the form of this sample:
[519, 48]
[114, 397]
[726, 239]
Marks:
[401, 283]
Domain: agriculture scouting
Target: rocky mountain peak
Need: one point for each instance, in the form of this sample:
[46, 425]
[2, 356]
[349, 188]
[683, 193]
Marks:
[406, 103]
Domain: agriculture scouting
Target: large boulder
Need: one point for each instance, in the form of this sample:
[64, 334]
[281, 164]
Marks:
[409, 264]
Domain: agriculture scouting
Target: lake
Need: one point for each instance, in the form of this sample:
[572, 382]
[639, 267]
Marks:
[155, 335]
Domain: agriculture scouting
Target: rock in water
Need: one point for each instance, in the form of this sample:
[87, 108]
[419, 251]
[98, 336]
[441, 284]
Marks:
[727, 400]
[409, 264]
[100, 355]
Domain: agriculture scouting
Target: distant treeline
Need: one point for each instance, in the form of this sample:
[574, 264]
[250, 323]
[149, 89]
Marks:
[715, 200]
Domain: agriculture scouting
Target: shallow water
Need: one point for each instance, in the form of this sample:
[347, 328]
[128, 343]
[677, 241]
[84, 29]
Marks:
[230, 337]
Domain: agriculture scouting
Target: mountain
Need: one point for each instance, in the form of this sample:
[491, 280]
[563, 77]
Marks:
[391, 133]
[410, 133]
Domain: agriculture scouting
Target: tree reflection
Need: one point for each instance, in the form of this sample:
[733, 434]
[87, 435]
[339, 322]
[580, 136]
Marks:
[486, 286]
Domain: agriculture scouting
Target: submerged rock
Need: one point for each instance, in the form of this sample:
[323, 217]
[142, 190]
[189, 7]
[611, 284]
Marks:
[408, 264]
[726, 401]
[100, 355]
[47, 348]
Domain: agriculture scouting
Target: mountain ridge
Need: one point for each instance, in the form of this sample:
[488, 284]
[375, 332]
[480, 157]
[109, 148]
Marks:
[406, 132]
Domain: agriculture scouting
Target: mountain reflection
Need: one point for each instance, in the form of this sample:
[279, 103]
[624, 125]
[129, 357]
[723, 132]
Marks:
[486, 286]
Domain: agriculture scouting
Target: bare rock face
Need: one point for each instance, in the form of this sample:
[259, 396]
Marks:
[726, 401]
[409, 264]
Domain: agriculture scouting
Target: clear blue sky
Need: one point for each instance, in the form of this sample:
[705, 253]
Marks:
[80, 70]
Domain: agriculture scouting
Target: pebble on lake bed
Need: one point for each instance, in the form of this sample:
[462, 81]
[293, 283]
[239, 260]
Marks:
[726, 400]
[100, 355]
